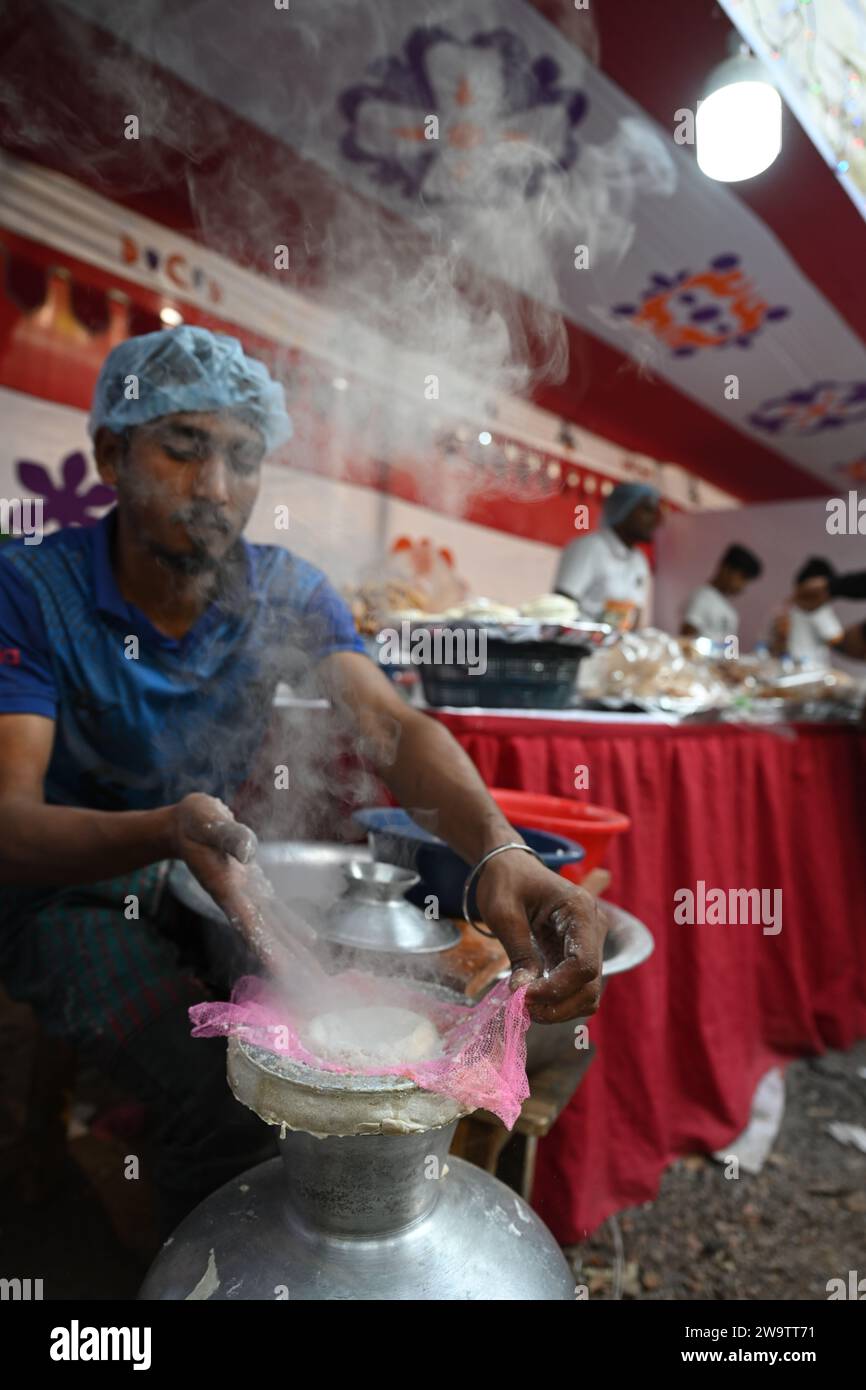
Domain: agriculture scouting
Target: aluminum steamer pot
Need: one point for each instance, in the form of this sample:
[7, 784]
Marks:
[364, 1203]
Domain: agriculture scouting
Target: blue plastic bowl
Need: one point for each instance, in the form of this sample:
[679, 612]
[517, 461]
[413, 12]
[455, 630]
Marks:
[396, 839]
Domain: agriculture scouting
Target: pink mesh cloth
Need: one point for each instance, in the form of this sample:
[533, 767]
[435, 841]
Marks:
[483, 1062]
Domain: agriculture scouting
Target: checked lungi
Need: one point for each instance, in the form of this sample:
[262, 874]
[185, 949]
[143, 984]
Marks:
[117, 986]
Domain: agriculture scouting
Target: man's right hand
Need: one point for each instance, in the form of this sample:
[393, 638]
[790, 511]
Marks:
[220, 851]
[217, 849]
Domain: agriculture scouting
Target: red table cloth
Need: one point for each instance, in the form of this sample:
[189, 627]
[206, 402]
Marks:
[683, 1040]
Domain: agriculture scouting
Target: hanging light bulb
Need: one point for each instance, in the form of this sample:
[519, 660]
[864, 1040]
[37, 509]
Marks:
[738, 127]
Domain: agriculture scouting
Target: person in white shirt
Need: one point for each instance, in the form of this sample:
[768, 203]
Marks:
[818, 589]
[808, 634]
[605, 571]
[709, 611]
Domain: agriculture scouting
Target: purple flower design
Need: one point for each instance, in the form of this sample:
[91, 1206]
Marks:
[506, 121]
[826, 405]
[716, 307]
[65, 504]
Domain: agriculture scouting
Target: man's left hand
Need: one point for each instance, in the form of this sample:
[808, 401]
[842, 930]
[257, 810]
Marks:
[553, 932]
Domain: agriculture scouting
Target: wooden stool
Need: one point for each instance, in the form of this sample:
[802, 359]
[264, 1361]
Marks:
[482, 1137]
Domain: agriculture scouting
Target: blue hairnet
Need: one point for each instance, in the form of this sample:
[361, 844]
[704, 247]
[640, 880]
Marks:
[623, 500]
[187, 368]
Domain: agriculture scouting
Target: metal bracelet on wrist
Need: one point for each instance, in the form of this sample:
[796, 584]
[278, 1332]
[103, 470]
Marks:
[471, 877]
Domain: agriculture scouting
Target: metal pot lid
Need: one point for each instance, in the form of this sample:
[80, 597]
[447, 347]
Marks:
[373, 915]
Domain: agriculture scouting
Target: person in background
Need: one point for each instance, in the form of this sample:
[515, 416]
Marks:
[709, 612]
[820, 588]
[606, 572]
[807, 634]
[816, 591]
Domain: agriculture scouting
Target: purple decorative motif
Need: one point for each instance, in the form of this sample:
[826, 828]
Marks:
[827, 405]
[64, 504]
[717, 307]
[505, 122]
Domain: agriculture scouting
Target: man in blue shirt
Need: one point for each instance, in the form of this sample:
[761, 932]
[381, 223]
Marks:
[138, 660]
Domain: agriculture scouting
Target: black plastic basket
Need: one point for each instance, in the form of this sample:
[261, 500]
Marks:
[519, 675]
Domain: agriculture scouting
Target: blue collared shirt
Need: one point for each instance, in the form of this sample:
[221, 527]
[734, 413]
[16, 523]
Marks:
[141, 718]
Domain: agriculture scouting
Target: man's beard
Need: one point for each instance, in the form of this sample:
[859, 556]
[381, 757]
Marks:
[199, 560]
[191, 563]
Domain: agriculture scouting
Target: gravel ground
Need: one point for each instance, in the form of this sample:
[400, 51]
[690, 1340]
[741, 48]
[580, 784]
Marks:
[780, 1234]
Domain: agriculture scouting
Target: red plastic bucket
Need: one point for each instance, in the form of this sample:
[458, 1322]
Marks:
[591, 826]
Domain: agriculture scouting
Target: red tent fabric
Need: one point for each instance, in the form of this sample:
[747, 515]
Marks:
[682, 1041]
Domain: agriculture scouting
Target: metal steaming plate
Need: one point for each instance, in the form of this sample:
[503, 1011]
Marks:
[317, 874]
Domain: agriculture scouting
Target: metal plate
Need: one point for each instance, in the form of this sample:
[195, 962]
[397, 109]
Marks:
[628, 944]
[296, 868]
[314, 872]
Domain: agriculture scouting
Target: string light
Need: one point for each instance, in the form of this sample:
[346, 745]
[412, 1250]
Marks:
[799, 31]
[542, 476]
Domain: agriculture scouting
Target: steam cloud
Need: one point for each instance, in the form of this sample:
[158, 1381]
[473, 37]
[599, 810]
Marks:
[466, 293]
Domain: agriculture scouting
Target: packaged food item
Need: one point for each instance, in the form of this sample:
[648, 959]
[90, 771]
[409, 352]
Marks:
[652, 669]
[416, 581]
[621, 614]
